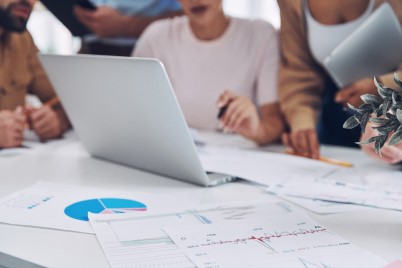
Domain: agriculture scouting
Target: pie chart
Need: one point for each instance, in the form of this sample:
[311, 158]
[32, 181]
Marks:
[79, 210]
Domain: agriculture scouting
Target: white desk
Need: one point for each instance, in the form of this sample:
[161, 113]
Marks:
[379, 231]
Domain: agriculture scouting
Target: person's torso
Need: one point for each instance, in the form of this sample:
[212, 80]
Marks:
[201, 70]
[323, 38]
[15, 73]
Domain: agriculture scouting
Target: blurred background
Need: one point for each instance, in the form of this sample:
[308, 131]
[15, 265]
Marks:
[51, 36]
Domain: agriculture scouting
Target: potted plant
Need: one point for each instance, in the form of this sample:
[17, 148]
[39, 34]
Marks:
[385, 112]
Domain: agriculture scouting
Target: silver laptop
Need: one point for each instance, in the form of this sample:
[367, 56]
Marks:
[374, 48]
[124, 110]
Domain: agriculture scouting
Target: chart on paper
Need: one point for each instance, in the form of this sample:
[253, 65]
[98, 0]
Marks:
[79, 210]
[66, 207]
[135, 241]
[291, 240]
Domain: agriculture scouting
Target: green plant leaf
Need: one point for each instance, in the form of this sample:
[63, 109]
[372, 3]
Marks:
[385, 106]
[397, 106]
[370, 98]
[352, 107]
[352, 122]
[396, 97]
[368, 141]
[395, 138]
[397, 80]
[383, 93]
[377, 147]
[378, 121]
[364, 121]
[366, 107]
[386, 129]
[399, 116]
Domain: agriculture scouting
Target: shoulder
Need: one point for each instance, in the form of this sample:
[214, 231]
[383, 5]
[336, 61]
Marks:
[22, 41]
[21, 38]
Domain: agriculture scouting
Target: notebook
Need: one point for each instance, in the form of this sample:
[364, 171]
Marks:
[124, 110]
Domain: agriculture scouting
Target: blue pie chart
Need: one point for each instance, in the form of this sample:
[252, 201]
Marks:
[79, 210]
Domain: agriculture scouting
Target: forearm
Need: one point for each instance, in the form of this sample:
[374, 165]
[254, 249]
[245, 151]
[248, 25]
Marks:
[271, 125]
[270, 131]
[63, 119]
[301, 81]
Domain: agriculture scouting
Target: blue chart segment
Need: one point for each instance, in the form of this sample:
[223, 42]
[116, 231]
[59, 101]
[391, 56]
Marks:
[79, 210]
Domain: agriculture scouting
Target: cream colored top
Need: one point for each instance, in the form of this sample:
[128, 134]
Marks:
[244, 59]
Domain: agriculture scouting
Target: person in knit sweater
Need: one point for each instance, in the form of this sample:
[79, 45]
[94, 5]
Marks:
[313, 106]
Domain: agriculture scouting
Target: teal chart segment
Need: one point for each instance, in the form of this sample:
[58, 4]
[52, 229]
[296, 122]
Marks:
[79, 210]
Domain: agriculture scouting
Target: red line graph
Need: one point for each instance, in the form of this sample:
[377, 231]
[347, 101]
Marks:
[266, 237]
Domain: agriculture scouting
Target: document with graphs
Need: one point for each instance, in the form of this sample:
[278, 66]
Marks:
[292, 240]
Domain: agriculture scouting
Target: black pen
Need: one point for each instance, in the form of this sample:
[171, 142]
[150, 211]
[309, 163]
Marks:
[222, 111]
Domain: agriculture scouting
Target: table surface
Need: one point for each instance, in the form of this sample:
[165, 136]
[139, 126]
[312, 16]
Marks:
[66, 161]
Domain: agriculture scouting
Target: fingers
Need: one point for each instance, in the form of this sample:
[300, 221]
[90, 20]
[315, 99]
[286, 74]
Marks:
[12, 126]
[241, 116]
[314, 144]
[351, 94]
[344, 93]
[225, 98]
[83, 13]
[304, 142]
[391, 154]
[85, 16]
[232, 114]
[46, 123]
[286, 139]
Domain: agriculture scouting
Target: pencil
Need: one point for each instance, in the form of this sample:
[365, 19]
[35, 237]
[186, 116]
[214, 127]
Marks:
[326, 160]
[335, 161]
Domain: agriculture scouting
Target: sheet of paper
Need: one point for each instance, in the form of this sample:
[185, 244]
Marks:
[291, 240]
[323, 207]
[338, 192]
[66, 207]
[139, 242]
[372, 177]
[258, 166]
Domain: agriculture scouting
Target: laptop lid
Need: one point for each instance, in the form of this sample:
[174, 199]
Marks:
[124, 110]
[372, 49]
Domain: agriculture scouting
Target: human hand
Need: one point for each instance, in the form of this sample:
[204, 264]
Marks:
[12, 125]
[105, 21]
[303, 142]
[241, 115]
[389, 154]
[351, 93]
[45, 122]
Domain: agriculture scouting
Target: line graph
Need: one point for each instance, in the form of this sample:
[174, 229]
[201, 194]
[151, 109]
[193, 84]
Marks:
[292, 240]
[262, 240]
